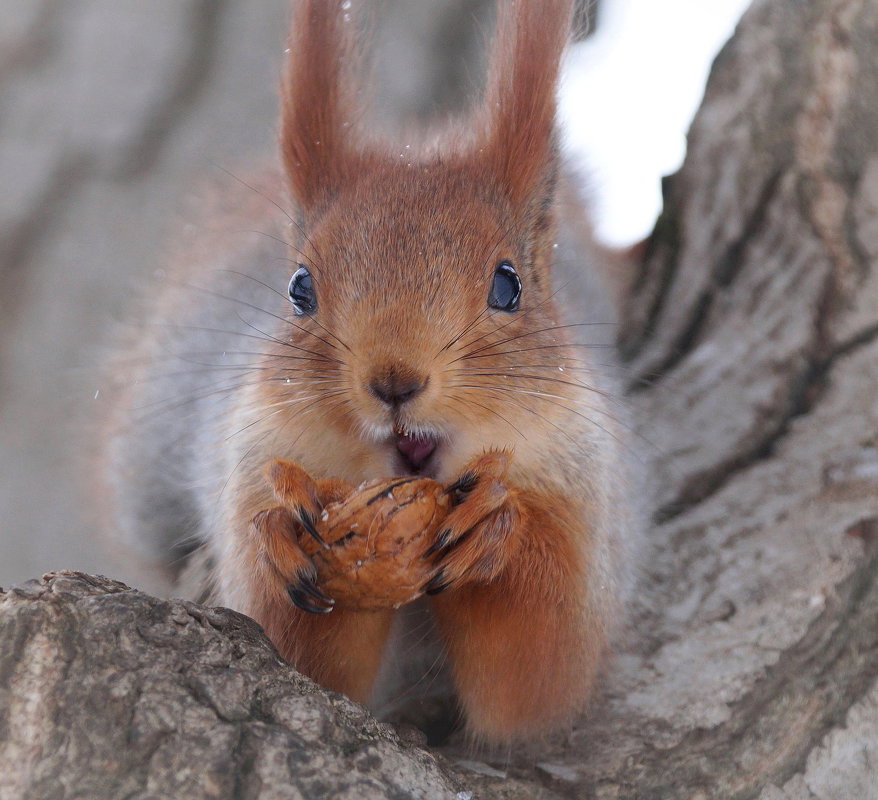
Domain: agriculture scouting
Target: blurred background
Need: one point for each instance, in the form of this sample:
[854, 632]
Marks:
[112, 112]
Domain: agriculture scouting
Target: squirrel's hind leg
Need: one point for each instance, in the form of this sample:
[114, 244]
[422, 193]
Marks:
[525, 648]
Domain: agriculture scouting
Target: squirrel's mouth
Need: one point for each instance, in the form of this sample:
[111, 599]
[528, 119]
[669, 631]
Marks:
[416, 452]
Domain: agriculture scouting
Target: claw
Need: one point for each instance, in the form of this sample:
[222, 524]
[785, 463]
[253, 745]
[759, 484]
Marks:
[306, 518]
[300, 601]
[441, 541]
[437, 583]
[310, 589]
[462, 486]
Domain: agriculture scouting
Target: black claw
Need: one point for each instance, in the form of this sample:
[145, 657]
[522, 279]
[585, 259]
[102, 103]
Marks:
[307, 520]
[437, 583]
[300, 601]
[441, 541]
[310, 589]
[462, 486]
[306, 573]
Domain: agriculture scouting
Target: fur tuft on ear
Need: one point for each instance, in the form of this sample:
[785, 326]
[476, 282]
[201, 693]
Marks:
[316, 100]
[520, 96]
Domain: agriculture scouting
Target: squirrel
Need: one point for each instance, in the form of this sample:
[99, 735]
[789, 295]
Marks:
[418, 333]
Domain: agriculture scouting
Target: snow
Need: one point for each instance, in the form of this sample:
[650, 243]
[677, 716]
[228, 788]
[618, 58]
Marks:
[628, 95]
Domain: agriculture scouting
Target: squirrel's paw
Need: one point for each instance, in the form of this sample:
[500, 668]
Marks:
[477, 537]
[299, 492]
[280, 529]
[277, 531]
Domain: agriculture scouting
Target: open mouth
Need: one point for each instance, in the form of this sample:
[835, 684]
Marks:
[416, 452]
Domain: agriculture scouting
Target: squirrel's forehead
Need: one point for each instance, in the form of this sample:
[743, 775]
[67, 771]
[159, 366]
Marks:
[395, 258]
[409, 241]
[448, 235]
[406, 273]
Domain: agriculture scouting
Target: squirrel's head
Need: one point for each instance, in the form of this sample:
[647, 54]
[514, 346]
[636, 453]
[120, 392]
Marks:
[422, 323]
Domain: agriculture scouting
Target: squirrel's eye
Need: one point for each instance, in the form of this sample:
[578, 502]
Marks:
[505, 289]
[302, 292]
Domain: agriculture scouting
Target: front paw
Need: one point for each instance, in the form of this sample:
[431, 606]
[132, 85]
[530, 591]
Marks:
[289, 534]
[363, 546]
[285, 565]
[479, 535]
[299, 493]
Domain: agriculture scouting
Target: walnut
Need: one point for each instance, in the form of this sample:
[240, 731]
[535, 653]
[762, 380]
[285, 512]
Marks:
[376, 542]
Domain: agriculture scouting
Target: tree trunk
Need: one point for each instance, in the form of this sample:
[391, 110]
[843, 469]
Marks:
[107, 693]
[751, 343]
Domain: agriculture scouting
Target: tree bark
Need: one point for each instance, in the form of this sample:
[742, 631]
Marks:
[750, 338]
[106, 693]
[750, 669]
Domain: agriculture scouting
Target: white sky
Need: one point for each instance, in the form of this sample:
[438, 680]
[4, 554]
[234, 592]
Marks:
[628, 95]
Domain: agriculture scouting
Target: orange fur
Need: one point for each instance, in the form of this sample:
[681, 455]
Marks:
[402, 253]
[523, 645]
[343, 650]
[524, 649]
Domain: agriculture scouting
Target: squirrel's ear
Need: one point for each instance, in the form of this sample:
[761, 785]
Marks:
[520, 96]
[316, 100]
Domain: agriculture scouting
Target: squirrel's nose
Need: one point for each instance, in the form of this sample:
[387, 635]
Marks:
[396, 385]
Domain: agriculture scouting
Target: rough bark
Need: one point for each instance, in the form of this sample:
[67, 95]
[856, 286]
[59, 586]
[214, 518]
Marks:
[106, 692]
[751, 333]
[751, 345]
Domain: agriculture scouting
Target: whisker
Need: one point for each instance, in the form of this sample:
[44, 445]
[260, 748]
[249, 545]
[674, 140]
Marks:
[283, 242]
[532, 333]
[205, 369]
[543, 395]
[428, 677]
[586, 365]
[279, 208]
[553, 379]
[541, 347]
[518, 317]
[282, 343]
[470, 401]
[237, 466]
[285, 297]
[533, 411]
[206, 329]
[290, 344]
[318, 404]
[254, 307]
[164, 405]
[555, 367]
[189, 358]
[486, 310]
[283, 406]
[555, 400]
[288, 402]
[501, 233]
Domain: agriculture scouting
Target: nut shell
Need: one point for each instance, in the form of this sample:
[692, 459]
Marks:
[376, 540]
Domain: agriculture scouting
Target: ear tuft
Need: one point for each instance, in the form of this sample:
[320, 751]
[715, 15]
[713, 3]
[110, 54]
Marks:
[520, 97]
[316, 99]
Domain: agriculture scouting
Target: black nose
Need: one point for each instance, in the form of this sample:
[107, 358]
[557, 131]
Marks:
[397, 385]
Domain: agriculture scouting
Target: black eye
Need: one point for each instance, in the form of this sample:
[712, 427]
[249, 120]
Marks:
[302, 292]
[505, 289]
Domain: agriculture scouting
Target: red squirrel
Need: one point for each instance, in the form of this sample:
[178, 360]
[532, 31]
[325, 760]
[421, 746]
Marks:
[418, 333]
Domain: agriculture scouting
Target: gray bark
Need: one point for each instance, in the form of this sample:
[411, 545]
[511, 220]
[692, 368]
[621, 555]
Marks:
[751, 665]
[751, 344]
[107, 693]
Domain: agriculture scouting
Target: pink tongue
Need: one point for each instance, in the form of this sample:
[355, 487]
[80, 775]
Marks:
[416, 450]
